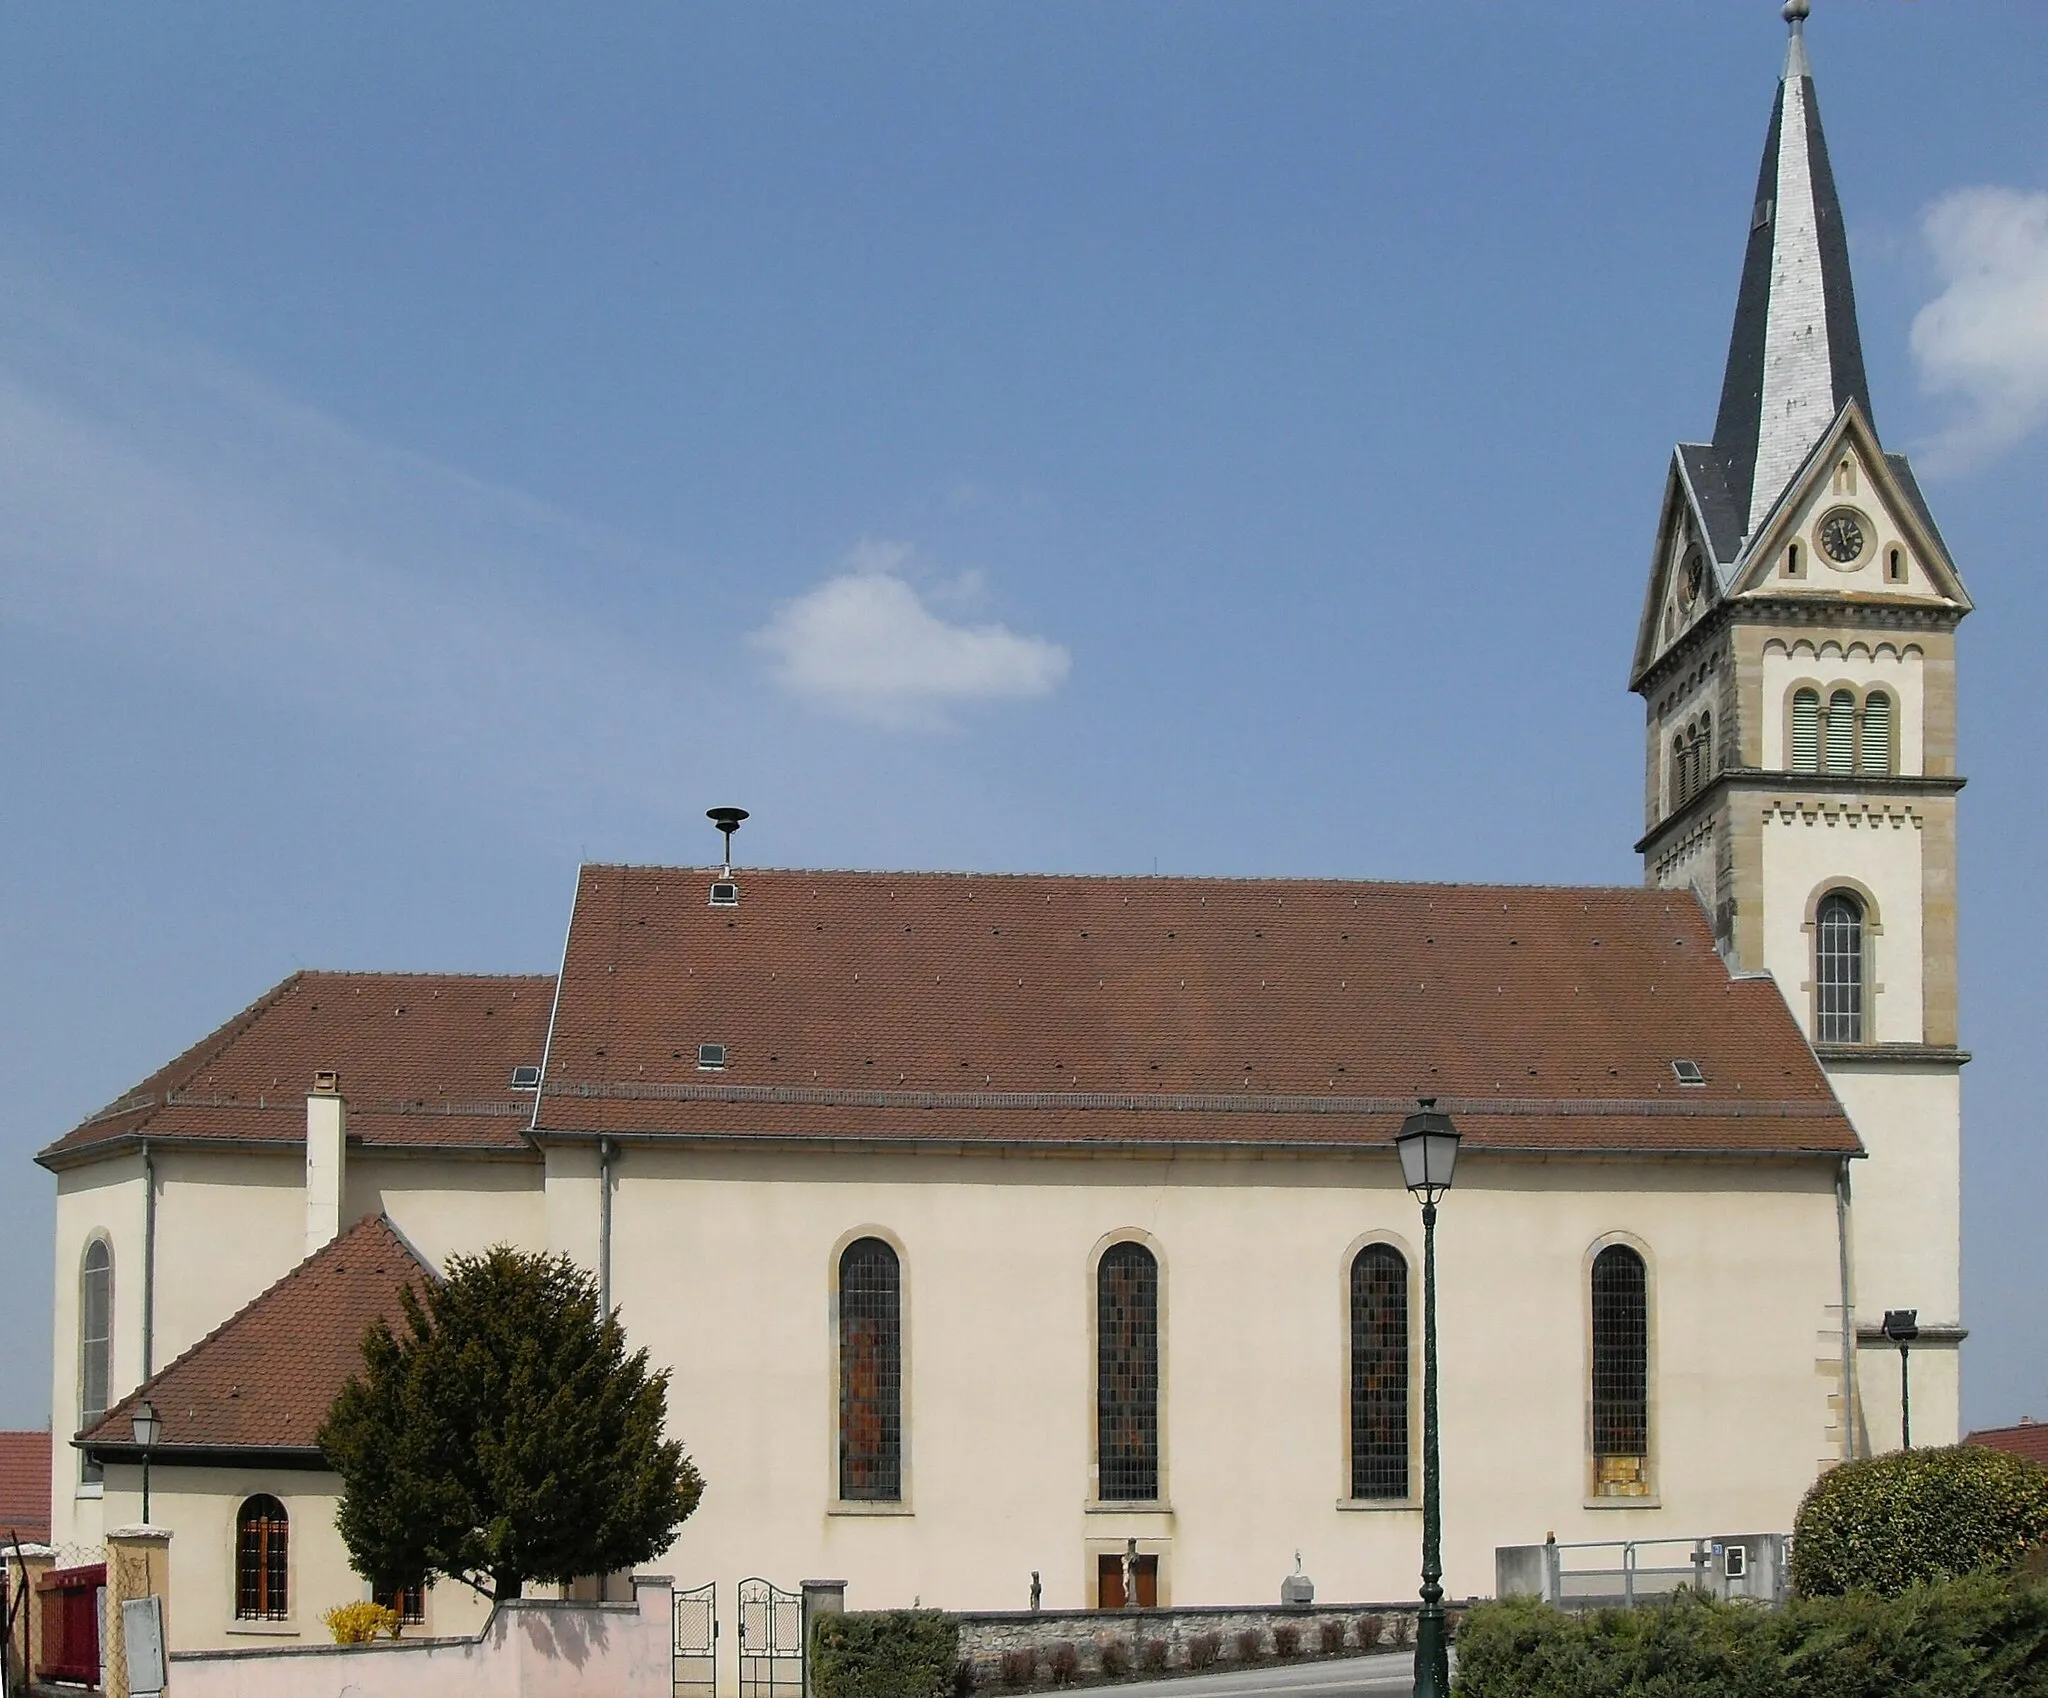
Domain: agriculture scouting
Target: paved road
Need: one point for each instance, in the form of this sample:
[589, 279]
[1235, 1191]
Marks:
[1338, 1677]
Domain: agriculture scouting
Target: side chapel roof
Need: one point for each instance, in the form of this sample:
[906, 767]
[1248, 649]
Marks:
[425, 1059]
[968, 1008]
[265, 1378]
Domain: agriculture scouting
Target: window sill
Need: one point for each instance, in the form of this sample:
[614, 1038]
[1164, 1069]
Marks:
[1646, 1500]
[1127, 1506]
[1367, 1506]
[264, 1629]
[867, 1506]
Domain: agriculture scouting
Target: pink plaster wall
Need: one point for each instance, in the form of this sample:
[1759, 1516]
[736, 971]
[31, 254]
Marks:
[533, 1648]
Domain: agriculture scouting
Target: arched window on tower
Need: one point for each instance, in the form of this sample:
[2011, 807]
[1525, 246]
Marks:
[1838, 969]
[1678, 770]
[1874, 751]
[1841, 731]
[262, 1561]
[1621, 1373]
[870, 1373]
[1127, 1375]
[95, 1340]
[1379, 1373]
[1806, 731]
[1703, 753]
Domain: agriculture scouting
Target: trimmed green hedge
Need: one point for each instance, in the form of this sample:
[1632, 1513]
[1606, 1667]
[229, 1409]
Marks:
[1985, 1636]
[1917, 1516]
[884, 1654]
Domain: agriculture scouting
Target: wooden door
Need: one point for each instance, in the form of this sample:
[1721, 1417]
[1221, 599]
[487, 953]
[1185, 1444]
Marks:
[1109, 1582]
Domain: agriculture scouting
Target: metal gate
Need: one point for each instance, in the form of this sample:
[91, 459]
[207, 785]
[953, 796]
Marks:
[696, 1643]
[771, 1641]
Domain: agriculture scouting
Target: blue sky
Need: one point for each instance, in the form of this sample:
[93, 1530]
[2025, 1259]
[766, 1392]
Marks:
[440, 444]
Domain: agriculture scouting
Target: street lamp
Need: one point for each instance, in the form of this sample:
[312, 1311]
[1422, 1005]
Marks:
[147, 1427]
[1428, 1144]
[1902, 1326]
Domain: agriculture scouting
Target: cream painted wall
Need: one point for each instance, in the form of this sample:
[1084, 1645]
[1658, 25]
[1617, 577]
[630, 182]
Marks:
[1810, 846]
[1937, 1395]
[723, 1266]
[443, 1204]
[199, 1507]
[1908, 1206]
[1861, 664]
[229, 1225]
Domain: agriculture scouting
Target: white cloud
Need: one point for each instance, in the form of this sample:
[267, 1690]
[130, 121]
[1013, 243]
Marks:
[1984, 340]
[866, 643]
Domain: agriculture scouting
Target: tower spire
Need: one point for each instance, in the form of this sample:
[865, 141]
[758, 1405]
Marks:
[1795, 358]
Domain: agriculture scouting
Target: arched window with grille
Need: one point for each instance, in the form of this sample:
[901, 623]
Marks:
[95, 1340]
[870, 1372]
[1874, 746]
[1127, 1375]
[1838, 969]
[1678, 770]
[1621, 1373]
[1806, 731]
[1379, 1373]
[1841, 731]
[262, 1561]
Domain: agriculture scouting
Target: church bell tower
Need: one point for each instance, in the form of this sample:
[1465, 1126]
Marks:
[1796, 658]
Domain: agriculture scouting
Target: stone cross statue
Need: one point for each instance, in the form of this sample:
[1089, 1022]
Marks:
[1035, 1590]
[1130, 1574]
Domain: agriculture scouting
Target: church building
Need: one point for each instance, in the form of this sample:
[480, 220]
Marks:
[988, 1223]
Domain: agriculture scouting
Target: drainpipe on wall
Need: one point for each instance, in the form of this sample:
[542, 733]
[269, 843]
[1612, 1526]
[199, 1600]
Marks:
[148, 1260]
[326, 1159]
[1849, 1399]
[604, 1226]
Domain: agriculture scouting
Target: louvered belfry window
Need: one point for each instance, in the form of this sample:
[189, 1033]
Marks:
[1841, 739]
[1379, 1373]
[1703, 752]
[1806, 731]
[1678, 770]
[870, 1373]
[1838, 969]
[262, 1561]
[1874, 752]
[1621, 1371]
[1127, 1375]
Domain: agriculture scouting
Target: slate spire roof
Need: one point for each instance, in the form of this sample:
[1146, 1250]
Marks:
[1795, 358]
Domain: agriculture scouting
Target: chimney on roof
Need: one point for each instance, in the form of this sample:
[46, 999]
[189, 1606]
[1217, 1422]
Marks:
[326, 1159]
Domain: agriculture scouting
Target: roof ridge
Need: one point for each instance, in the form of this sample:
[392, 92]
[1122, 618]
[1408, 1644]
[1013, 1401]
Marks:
[331, 1247]
[1159, 879]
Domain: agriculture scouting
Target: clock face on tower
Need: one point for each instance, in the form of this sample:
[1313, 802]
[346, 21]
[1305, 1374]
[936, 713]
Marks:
[1844, 533]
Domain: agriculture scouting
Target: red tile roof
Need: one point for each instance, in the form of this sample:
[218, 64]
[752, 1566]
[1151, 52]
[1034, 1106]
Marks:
[25, 1487]
[266, 1377]
[2028, 1439]
[964, 1007]
[424, 1059]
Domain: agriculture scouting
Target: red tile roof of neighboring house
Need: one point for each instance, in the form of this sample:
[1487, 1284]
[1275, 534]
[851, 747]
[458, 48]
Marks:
[970, 1007]
[266, 1377]
[25, 1487]
[424, 1059]
[2028, 1439]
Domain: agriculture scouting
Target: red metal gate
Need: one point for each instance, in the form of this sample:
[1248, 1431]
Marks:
[71, 1623]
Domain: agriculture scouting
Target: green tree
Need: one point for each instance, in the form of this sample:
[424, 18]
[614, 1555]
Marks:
[504, 1431]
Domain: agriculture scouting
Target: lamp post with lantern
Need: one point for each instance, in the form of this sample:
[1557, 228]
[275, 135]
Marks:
[1428, 1146]
[147, 1428]
[1902, 1326]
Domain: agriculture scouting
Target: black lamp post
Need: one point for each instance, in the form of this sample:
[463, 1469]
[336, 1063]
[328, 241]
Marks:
[147, 1427]
[1902, 1326]
[1428, 1144]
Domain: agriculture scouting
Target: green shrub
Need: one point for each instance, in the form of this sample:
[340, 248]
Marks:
[884, 1654]
[1985, 1636]
[1917, 1516]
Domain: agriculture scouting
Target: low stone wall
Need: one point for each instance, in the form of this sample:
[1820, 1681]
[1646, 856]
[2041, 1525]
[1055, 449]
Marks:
[1071, 1647]
[531, 1648]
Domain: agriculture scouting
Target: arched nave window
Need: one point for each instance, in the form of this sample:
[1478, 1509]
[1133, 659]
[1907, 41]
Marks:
[262, 1561]
[95, 1339]
[870, 1372]
[1838, 969]
[1621, 1372]
[1127, 1375]
[1379, 1373]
